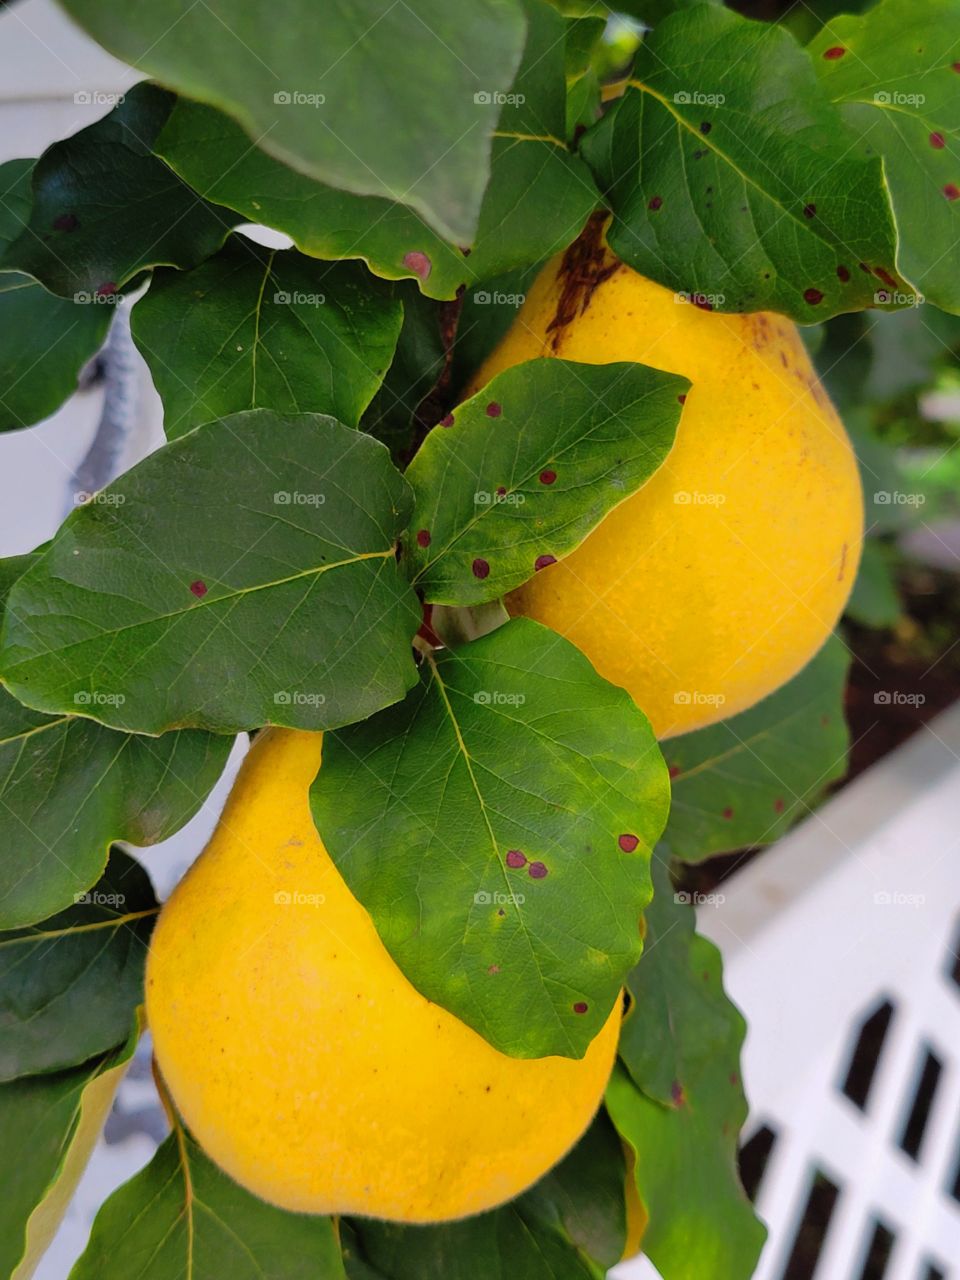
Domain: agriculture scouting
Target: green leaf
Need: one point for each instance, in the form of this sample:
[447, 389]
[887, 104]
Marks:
[69, 987]
[182, 1217]
[214, 155]
[731, 176]
[257, 328]
[44, 340]
[70, 787]
[897, 85]
[570, 1226]
[49, 1125]
[745, 780]
[205, 588]
[520, 795]
[678, 1101]
[875, 600]
[105, 208]
[538, 198]
[517, 476]
[377, 100]
[419, 363]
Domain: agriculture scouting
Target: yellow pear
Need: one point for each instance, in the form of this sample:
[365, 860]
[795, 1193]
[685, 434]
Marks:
[303, 1060]
[724, 574]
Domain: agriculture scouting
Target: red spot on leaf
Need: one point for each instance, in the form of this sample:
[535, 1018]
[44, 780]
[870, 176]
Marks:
[705, 126]
[952, 191]
[937, 141]
[809, 210]
[778, 805]
[544, 562]
[537, 871]
[956, 67]
[677, 1094]
[423, 537]
[198, 588]
[515, 858]
[627, 842]
[447, 421]
[882, 274]
[494, 410]
[547, 477]
[682, 398]
[843, 273]
[481, 569]
[812, 296]
[501, 491]
[727, 813]
[580, 1007]
[494, 968]
[106, 289]
[418, 263]
[66, 222]
[656, 203]
[835, 51]
[674, 771]
[734, 1079]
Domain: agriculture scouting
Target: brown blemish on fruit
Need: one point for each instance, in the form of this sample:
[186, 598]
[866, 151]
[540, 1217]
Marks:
[585, 266]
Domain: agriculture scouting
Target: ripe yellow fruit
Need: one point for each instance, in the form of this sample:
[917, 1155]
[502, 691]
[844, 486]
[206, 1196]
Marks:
[725, 573]
[300, 1056]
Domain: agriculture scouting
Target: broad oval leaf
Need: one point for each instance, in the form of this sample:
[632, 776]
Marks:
[570, 1226]
[678, 1100]
[105, 208]
[397, 101]
[517, 476]
[894, 74]
[519, 795]
[49, 1125]
[746, 780]
[70, 986]
[731, 175]
[537, 200]
[44, 340]
[245, 574]
[260, 328]
[182, 1217]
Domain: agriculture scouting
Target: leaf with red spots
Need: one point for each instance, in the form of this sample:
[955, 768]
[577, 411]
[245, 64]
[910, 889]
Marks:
[392, 101]
[900, 97]
[570, 1226]
[260, 328]
[730, 174]
[44, 340]
[537, 200]
[105, 208]
[518, 490]
[509, 744]
[746, 780]
[289, 522]
[676, 1098]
